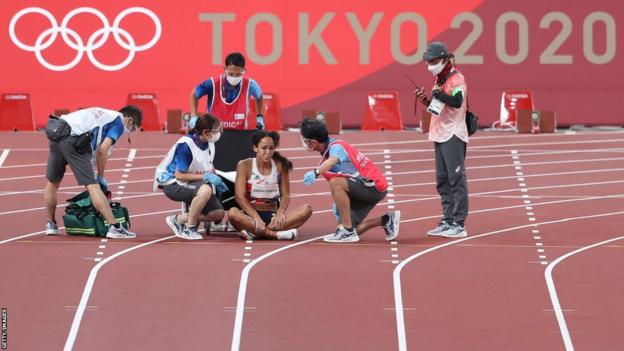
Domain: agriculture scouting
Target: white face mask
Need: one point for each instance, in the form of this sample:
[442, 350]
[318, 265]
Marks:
[128, 130]
[214, 137]
[304, 144]
[234, 80]
[436, 69]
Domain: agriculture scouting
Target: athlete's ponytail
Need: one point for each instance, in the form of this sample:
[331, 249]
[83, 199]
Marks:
[259, 135]
[286, 163]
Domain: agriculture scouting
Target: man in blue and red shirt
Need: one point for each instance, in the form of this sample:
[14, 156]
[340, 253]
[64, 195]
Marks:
[228, 96]
[355, 182]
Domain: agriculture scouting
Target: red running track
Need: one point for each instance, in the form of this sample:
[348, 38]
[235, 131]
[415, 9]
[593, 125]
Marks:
[533, 199]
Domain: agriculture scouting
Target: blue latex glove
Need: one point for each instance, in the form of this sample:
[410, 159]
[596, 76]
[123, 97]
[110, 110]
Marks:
[336, 213]
[103, 183]
[259, 121]
[309, 177]
[192, 122]
[216, 181]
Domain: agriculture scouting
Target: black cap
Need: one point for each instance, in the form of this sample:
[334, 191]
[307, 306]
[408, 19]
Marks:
[436, 49]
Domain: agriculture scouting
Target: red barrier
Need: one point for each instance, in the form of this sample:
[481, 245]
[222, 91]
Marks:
[16, 112]
[148, 103]
[272, 112]
[382, 111]
[511, 101]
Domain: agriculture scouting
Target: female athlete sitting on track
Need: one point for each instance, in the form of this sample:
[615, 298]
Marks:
[186, 174]
[263, 193]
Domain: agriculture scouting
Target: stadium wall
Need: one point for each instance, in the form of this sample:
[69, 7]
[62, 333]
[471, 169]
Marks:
[322, 55]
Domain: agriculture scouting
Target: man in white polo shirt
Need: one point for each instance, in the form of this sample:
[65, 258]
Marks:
[77, 136]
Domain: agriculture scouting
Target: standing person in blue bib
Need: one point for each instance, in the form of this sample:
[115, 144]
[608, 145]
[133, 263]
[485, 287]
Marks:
[228, 96]
[187, 174]
[93, 132]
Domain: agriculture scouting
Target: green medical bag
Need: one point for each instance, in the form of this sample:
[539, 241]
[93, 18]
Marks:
[81, 218]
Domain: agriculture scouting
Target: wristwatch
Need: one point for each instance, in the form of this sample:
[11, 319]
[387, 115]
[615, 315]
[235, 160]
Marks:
[317, 172]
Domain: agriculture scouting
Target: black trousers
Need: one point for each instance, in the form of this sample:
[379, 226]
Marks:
[451, 179]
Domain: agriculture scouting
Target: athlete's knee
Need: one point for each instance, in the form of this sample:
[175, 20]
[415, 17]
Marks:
[233, 213]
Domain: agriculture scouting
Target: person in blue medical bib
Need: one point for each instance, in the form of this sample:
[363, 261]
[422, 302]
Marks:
[187, 174]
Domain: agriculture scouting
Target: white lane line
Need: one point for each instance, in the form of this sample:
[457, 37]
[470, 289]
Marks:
[487, 179]
[86, 293]
[63, 205]
[242, 289]
[552, 291]
[22, 236]
[396, 173]
[396, 275]
[103, 240]
[487, 148]
[3, 156]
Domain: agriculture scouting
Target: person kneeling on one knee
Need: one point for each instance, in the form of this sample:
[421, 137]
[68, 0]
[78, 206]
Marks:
[355, 182]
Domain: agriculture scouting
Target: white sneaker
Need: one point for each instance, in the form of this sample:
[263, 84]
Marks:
[290, 234]
[188, 234]
[437, 231]
[245, 235]
[51, 228]
[342, 235]
[219, 227]
[392, 227]
[176, 227]
[121, 233]
[455, 231]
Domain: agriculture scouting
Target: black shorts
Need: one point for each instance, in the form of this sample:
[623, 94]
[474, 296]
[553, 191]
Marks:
[187, 192]
[266, 216]
[63, 153]
[363, 197]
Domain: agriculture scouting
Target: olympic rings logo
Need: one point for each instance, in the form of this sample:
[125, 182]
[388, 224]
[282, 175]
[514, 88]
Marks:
[96, 40]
